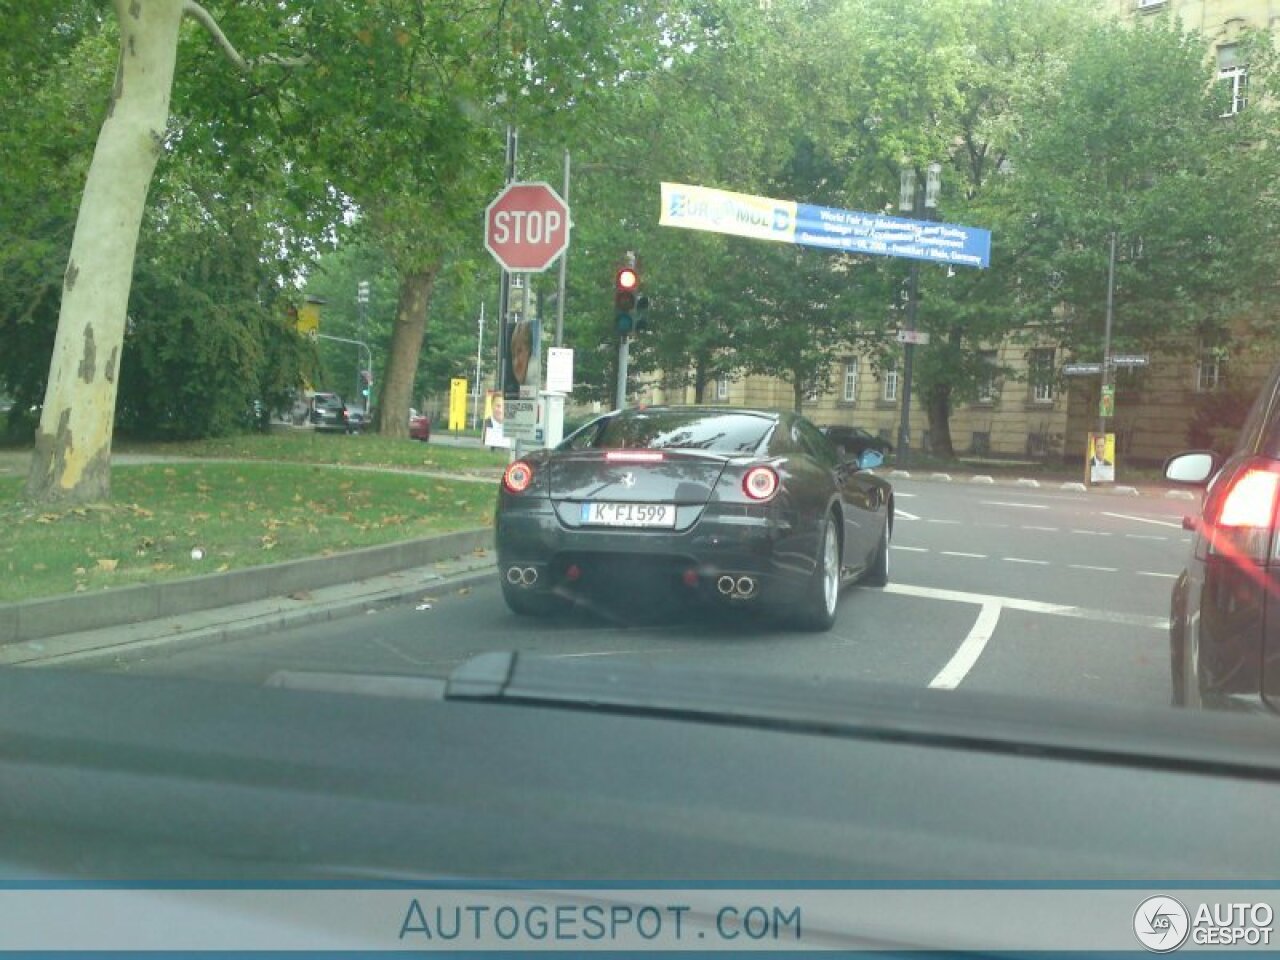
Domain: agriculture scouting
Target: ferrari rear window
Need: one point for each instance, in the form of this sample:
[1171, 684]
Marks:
[676, 430]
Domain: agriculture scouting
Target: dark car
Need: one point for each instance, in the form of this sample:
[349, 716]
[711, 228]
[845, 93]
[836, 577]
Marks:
[1224, 626]
[724, 505]
[329, 413]
[855, 441]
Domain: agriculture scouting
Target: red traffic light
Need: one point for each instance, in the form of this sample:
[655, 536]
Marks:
[628, 279]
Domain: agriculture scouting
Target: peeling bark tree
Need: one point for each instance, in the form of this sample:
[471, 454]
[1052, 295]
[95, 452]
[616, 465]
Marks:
[72, 460]
[407, 335]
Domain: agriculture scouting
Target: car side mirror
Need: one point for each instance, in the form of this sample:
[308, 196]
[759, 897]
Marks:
[869, 459]
[1194, 467]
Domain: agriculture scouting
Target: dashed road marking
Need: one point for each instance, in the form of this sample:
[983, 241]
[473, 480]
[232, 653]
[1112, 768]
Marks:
[1144, 536]
[950, 523]
[1010, 503]
[1159, 523]
[1092, 533]
[1042, 529]
[898, 546]
[905, 515]
[1089, 566]
[960, 553]
[1152, 573]
[970, 649]
[1038, 563]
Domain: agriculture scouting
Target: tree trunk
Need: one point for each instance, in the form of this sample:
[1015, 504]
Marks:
[396, 390]
[699, 379]
[72, 459]
[797, 389]
[939, 409]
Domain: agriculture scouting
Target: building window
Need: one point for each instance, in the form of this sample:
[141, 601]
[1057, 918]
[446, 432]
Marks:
[988, 385]
[850, 392]
[1040, 374]
[1208, 373]
[722, 388]
[890, 381]
[1234, 77]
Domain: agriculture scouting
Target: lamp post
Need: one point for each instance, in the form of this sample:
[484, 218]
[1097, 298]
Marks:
[920, 206]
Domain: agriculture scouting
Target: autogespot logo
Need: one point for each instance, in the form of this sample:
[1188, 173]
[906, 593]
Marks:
[1161, 924]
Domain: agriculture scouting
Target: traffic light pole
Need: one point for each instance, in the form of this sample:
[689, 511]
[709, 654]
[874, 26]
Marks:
[624, 349]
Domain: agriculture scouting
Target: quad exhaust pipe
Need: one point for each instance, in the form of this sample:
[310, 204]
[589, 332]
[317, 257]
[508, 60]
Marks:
[743, 588]
[523, 576]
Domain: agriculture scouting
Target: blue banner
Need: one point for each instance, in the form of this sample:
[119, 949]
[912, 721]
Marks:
[829, 228]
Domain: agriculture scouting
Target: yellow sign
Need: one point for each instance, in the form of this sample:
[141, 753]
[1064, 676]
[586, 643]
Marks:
[722, 211]
[309, 319]
[1100, 458]
[457, 404]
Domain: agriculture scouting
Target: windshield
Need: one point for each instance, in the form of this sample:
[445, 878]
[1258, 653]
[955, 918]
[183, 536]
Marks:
[840, 343]
[713, 433]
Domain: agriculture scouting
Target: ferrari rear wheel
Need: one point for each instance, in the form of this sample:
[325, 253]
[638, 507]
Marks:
[524, 603]
[818, 609]
[877, 574]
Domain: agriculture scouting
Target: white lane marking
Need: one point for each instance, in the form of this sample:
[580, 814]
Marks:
[1144, 536]
[1038, 563]
[1159, 523]
[959, 553]
[607, 653]
[1092, 533]
[1010, 503]
[898, 546]
[1150, 573]
[953, 523]
[993, 526]
[1030, 606]
[1045, 529]
[1089, 566]
[970, 649]
[904, 515]
[901, 493]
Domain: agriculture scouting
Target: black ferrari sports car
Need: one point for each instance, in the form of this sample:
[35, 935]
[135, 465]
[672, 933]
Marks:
[727, 505]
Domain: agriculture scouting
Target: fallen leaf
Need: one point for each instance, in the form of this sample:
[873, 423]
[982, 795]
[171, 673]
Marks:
[80, 571]
[463, 591]
[107, 564]
[224, 568]
[300, 595]
[161, 567]
[81, 588]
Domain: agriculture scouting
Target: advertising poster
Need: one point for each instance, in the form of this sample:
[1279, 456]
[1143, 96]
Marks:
[494, 409]
[1101, 458]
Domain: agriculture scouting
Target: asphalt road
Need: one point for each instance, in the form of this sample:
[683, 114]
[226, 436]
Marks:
[1035, 592]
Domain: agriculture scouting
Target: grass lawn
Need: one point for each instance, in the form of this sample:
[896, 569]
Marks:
[305, 446]
[239, 514]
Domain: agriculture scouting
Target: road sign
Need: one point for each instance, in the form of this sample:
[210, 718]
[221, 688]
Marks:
[1130, 360]
[560, 370]
[913, 336]
[526, 227]
[1081, 369]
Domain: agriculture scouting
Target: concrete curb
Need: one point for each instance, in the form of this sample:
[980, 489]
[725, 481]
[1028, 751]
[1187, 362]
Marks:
[101, 645]
[81, 612]
[1032, 483]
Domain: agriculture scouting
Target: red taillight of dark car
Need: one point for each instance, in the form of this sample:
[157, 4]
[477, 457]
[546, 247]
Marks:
[760, 483]
[1240, 513]
[517, 477]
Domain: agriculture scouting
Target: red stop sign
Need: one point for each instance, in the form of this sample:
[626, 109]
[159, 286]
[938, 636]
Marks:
[526, 227]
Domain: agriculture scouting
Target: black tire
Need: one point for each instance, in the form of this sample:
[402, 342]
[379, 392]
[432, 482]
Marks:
[877, 574]
[817, 611]
[524, 603]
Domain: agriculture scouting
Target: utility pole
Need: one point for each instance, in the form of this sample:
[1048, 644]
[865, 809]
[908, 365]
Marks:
[564, 260]
[475, 404]
[910, 200]
[624, 348]
[362, 301]
[1108, 369]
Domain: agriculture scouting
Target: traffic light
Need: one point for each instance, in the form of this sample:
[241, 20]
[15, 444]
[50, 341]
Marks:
[642, 314]
[626, 283]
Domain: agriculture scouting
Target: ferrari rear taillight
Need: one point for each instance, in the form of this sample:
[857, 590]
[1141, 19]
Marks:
[517, 477]
[1240, 516]
[760, 483]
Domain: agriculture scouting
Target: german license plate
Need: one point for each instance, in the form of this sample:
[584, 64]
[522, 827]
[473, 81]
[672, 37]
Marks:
[629, 514]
